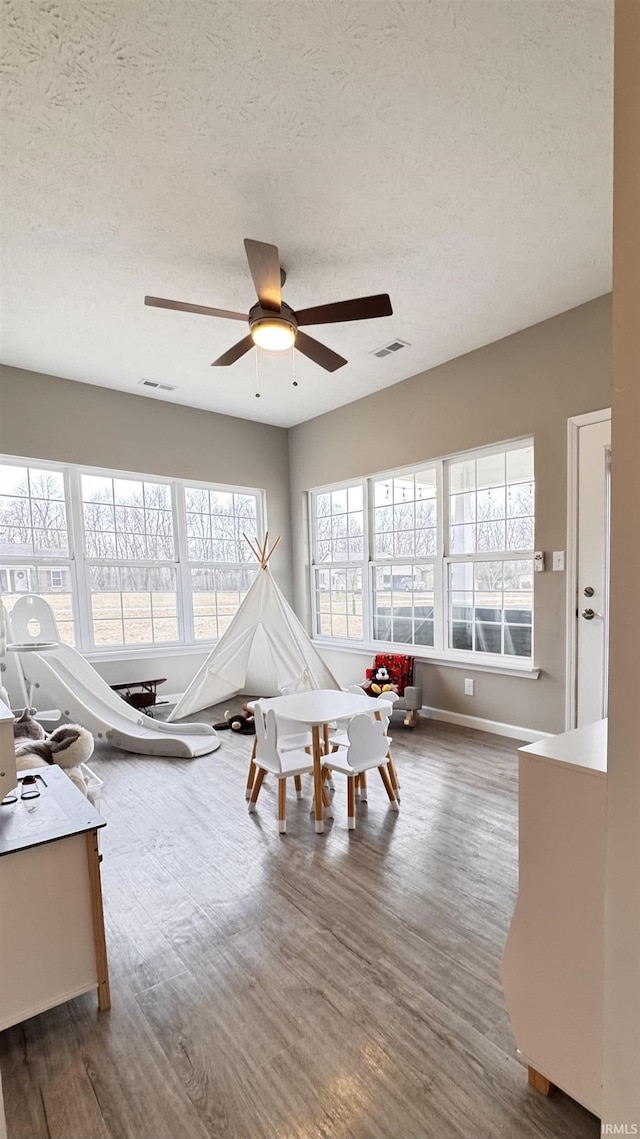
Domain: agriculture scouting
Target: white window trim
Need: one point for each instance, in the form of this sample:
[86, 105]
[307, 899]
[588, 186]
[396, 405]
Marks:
[440, 653]
[79, 564]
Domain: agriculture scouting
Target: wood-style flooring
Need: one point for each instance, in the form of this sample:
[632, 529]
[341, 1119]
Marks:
[336, 986]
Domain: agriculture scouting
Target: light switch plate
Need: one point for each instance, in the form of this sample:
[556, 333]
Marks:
[558, 560]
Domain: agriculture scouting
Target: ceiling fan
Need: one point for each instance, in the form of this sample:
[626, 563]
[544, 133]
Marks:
[273, 324]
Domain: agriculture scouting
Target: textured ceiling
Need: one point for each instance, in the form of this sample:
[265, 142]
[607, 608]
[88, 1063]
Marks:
[456, 155]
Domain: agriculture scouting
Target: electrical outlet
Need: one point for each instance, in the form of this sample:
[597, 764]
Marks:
[468, 686]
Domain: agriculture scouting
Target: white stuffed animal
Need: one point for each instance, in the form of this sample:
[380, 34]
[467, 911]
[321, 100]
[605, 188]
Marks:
[68, 746]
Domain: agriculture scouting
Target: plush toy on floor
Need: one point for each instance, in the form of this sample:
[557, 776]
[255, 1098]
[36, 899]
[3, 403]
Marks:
[242, 722]
[379, 682]
[68, 746]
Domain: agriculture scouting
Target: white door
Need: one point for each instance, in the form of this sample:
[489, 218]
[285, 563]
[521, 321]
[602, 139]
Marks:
[592, 597]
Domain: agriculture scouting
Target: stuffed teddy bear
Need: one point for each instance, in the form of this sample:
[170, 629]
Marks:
[242, 722]
[379, 682]
[68, 746]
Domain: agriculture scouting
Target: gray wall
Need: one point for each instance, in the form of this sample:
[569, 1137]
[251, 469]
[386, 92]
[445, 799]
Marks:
[44, 417]
[526, 384]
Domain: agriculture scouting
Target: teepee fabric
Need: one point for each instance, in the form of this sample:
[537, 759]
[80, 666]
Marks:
[264, 647]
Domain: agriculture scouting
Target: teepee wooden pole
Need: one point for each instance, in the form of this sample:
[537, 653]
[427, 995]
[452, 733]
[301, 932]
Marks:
[272, 549]
[255, 550]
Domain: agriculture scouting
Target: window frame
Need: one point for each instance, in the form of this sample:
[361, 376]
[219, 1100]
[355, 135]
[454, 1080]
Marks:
[441, 560]
[79, 563]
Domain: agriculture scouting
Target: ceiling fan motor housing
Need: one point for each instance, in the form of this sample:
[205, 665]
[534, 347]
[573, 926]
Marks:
[286, 317]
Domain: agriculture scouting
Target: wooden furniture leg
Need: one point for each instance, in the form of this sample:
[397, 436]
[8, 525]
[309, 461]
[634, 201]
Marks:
[282, 806]
[97, 917]
[384, 775]
[393, 775]
[259, 779]
[297, 782]
[326, 800]
[351, 802]
[363, 786]
[325, 737]
[317, 780]
[539, 1082]
[252, 770]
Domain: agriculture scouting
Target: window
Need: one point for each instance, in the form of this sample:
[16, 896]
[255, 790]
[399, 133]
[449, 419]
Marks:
[339, 552]
[405, 543]
[221, 564]
[138, 561]
[491, 513]
[438, 557]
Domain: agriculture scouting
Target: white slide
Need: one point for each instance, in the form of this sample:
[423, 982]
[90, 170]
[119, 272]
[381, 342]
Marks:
[62, 675]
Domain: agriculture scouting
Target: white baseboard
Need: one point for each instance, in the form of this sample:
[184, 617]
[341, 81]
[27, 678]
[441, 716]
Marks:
[512, 731]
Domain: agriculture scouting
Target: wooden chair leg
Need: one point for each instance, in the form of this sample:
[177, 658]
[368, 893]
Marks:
[259, 779]
[393, 775]
[252, 770]
[297, 782]
[384, 775]
[539, 1082]
[363, 786]
[282, 806]
[351, 802]
[326, 802]
[327, 775]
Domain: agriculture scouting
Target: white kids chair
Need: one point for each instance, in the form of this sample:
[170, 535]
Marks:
[368, 747]
[341, 739]
[289, 739]
[272, 759]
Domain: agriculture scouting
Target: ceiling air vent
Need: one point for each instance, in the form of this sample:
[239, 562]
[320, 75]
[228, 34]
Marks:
[158, 386]
[392, 346]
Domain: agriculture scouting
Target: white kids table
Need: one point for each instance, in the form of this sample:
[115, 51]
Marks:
[317, 710]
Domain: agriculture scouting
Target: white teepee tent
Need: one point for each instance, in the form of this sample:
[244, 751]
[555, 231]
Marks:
[264, 648]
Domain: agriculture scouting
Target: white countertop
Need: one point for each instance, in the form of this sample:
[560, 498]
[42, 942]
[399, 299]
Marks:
[583, 747]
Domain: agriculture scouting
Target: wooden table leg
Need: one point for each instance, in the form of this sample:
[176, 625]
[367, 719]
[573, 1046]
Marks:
[325, 736]
[97, 917]
[252, 770]
[317, 780]
[539, 1082]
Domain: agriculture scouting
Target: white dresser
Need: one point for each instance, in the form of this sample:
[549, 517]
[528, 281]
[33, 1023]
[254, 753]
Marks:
[552, 969]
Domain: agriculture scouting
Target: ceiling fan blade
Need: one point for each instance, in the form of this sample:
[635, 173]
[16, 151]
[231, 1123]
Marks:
[233, 354]
[183, 306]
[361, 308]
[264, 264]
[319, 353]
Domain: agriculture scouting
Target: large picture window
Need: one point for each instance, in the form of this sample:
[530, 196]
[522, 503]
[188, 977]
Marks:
[439, 557]
[126, 560]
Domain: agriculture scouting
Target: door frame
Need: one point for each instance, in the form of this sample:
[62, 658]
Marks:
[574, 423]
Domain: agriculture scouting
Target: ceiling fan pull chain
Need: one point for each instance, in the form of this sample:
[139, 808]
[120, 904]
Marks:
[257, 375]
[293, 367]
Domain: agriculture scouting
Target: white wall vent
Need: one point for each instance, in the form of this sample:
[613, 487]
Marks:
[392, 346]
[157, 385]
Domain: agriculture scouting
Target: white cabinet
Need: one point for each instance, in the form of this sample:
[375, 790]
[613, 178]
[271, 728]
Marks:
[52, 944]
[552, 969]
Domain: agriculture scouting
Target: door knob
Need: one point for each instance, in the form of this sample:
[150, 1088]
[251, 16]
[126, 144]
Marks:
[588, 614]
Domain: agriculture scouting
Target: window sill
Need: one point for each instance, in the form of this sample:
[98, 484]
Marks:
[146, 652]
[501, 666]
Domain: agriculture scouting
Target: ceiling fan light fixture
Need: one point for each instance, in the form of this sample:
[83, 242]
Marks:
[274, 335]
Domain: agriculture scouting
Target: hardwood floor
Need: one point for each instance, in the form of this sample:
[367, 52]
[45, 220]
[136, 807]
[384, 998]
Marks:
[300, 986]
